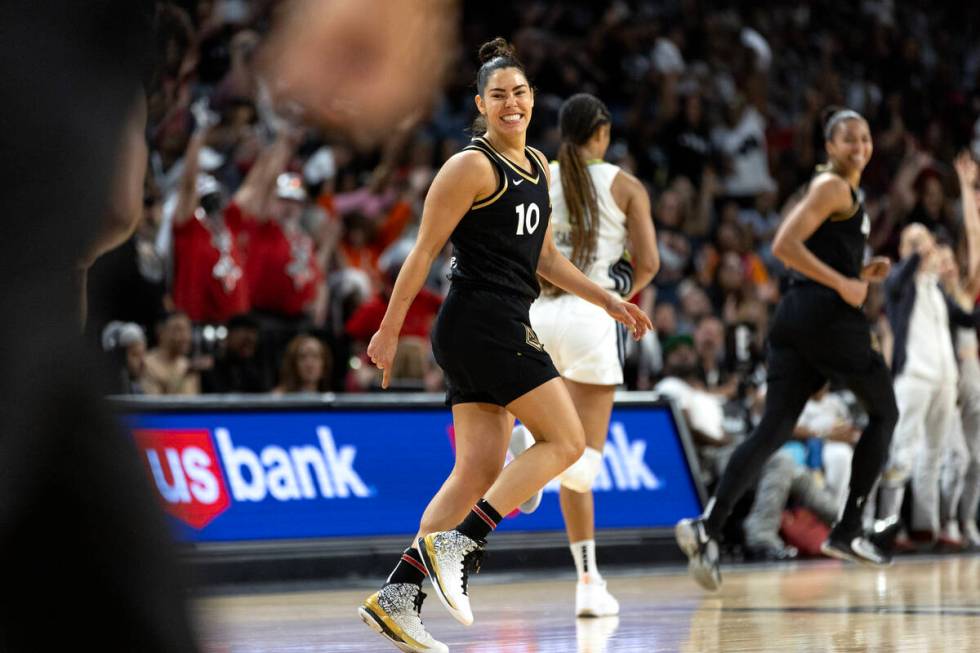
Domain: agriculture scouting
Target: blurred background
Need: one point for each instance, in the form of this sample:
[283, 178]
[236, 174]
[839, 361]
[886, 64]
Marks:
[268, 246]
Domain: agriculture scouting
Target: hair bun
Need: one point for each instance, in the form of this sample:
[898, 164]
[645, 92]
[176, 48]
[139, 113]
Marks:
[498, 47]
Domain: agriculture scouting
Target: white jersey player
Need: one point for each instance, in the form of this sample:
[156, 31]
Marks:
[599, 213]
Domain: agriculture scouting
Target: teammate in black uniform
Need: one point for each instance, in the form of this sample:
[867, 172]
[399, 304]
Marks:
[818, 333]
[492, 201]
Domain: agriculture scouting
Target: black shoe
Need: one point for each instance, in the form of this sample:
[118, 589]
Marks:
[884, 532]
[701, 550]
[856, 547]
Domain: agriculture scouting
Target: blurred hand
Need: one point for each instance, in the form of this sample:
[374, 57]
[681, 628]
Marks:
[381, 350]
[630, 314]
[966, 169]
[853, 291]
[876, 270]
[844, 432]
[204, 118]
[359, 66]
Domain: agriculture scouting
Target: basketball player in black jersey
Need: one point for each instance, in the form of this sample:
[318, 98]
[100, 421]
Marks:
[491, 200]
[818, 333]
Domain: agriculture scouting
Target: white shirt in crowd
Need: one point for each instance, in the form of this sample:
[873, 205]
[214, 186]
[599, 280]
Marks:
[929, 349]
[703, 410]
[745, 145]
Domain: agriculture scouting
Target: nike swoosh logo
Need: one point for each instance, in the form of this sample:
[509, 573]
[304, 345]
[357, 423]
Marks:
[517, 182]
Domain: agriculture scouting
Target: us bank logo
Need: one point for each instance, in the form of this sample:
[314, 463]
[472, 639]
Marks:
[199, 476]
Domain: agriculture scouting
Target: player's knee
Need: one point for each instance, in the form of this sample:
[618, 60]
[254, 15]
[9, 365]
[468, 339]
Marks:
[572, 446]
[479, 478]
[583, 472]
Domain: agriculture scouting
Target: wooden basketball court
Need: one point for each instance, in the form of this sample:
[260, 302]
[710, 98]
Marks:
[919, 604]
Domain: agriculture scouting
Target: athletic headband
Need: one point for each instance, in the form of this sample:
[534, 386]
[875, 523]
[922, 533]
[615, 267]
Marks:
[840, 116]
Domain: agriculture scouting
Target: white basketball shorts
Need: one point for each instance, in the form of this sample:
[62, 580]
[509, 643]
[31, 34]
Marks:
[585, 344]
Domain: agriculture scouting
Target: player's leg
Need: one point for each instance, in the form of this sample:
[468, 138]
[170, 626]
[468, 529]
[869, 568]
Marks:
[875, 391]
[450, 556]
[791, 382]
[481, 443]
[594, 405]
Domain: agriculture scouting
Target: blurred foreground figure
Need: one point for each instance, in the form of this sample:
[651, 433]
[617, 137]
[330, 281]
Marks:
[83, 546]
[359, 66]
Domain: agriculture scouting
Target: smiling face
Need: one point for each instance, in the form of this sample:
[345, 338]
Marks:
[850, 145]
[506, 102]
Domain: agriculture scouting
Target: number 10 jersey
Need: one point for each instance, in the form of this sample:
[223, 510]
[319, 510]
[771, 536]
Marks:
[498, 242]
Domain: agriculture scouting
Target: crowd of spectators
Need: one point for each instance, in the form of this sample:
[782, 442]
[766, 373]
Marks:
[267, 249]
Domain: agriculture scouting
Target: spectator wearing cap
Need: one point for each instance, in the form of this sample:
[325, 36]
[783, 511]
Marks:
[236, 367]
[284, 272]
[209, 279]
[126, 343]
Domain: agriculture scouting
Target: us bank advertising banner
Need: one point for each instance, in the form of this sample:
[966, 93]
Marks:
[233, 475]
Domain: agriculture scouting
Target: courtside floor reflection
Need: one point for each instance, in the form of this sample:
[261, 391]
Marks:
[919, 604]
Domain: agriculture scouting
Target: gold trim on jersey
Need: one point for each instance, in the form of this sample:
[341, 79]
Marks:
[489, 199]
[516, 168]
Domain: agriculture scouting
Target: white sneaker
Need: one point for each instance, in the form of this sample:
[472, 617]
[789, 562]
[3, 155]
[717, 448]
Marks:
[971, 533]
[449, 557]
[395, 614]
[592, 599]
[592, 635]
[950, 536]
[520, 441]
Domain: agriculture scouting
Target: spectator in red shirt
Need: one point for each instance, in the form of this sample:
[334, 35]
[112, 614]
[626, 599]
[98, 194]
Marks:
[418, 321]
[209, 277]
[284, 267]
[283, 270]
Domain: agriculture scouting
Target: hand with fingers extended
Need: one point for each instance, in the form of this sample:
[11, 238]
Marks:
[381, 350]
[631, 315]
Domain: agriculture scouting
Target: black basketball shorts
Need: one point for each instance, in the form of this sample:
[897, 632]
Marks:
[484, 343]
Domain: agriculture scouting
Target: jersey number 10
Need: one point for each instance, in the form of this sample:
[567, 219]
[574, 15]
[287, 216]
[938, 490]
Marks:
[527, 220]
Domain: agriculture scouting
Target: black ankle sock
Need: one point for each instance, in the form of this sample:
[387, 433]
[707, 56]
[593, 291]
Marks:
[714, 519]
[409, 568]
[481, 520]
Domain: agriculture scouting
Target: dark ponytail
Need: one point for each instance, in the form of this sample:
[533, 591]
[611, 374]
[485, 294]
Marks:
[579, 118]
[494, 55]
